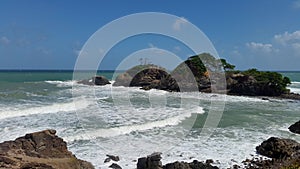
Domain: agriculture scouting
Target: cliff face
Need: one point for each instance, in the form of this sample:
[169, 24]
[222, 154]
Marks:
[39, 150]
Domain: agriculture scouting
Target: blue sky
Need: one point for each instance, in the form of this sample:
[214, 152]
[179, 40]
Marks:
[264, 34]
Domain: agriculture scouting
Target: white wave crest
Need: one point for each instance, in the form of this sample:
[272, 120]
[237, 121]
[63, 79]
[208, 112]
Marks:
[122, 130]
[54, 108]
[61, 83]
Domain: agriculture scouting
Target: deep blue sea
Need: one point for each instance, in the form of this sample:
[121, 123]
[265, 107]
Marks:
[129, 122]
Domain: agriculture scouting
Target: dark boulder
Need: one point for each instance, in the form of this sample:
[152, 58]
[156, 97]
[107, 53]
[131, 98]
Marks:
[147, 77]
[278, 148]
[240, 84]
[150, 162]
[96, 80]
[114, 158]
[295, 128]
[39, 150]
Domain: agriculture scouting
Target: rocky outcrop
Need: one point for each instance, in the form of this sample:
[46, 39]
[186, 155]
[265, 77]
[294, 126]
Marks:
[295, 128]
[39, 150]
[240, 84]
[153, 162]
[147, 77]
[278, 148]
[205, 73]
[284, 154]
[96, 80]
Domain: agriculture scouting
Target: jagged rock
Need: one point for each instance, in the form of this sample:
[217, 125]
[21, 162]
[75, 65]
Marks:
[239, 84]
[39, 150]
[278, 148]
[147, 77]
[96, 80]
[114, 158]
[295, 128]
[115, 166]
[150, 162]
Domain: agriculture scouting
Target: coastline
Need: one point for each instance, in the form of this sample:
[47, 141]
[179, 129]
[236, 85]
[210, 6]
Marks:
[44, 149]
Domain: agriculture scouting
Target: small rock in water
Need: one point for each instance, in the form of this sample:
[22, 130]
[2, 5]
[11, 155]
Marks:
[295, 128]
[115, 166]
[112, 157]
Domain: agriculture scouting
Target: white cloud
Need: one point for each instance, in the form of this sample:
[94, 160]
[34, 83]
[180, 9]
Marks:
[4, 40]
[260, 47]
[288, 38]
[282, 52]
[179, 23]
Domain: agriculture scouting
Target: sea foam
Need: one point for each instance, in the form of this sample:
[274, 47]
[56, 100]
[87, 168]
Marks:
[45, 109]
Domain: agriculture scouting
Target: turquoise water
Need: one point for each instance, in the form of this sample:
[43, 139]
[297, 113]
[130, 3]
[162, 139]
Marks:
[131, 122]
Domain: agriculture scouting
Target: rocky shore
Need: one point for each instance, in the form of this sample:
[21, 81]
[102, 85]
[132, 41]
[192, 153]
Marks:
[45, 150]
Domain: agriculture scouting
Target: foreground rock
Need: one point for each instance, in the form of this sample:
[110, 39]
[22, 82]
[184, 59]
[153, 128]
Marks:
[40, 150]
[285, 153]
[295, 128]
[96, 80]
[278, 148]
[153, 162]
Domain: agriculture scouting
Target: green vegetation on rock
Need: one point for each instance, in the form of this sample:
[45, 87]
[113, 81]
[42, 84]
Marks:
[271, 82]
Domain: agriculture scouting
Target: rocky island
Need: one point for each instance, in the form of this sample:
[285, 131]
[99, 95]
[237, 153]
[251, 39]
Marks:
[195, 74]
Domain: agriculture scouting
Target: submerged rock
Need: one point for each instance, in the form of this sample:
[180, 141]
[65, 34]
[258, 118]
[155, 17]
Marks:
[295, 128]
[39, 150]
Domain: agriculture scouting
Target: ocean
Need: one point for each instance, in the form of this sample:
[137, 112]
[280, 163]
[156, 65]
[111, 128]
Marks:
[131, 123]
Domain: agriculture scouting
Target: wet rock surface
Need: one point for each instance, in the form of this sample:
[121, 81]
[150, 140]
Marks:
[96, 80]
[39, 150]
[295, 128]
